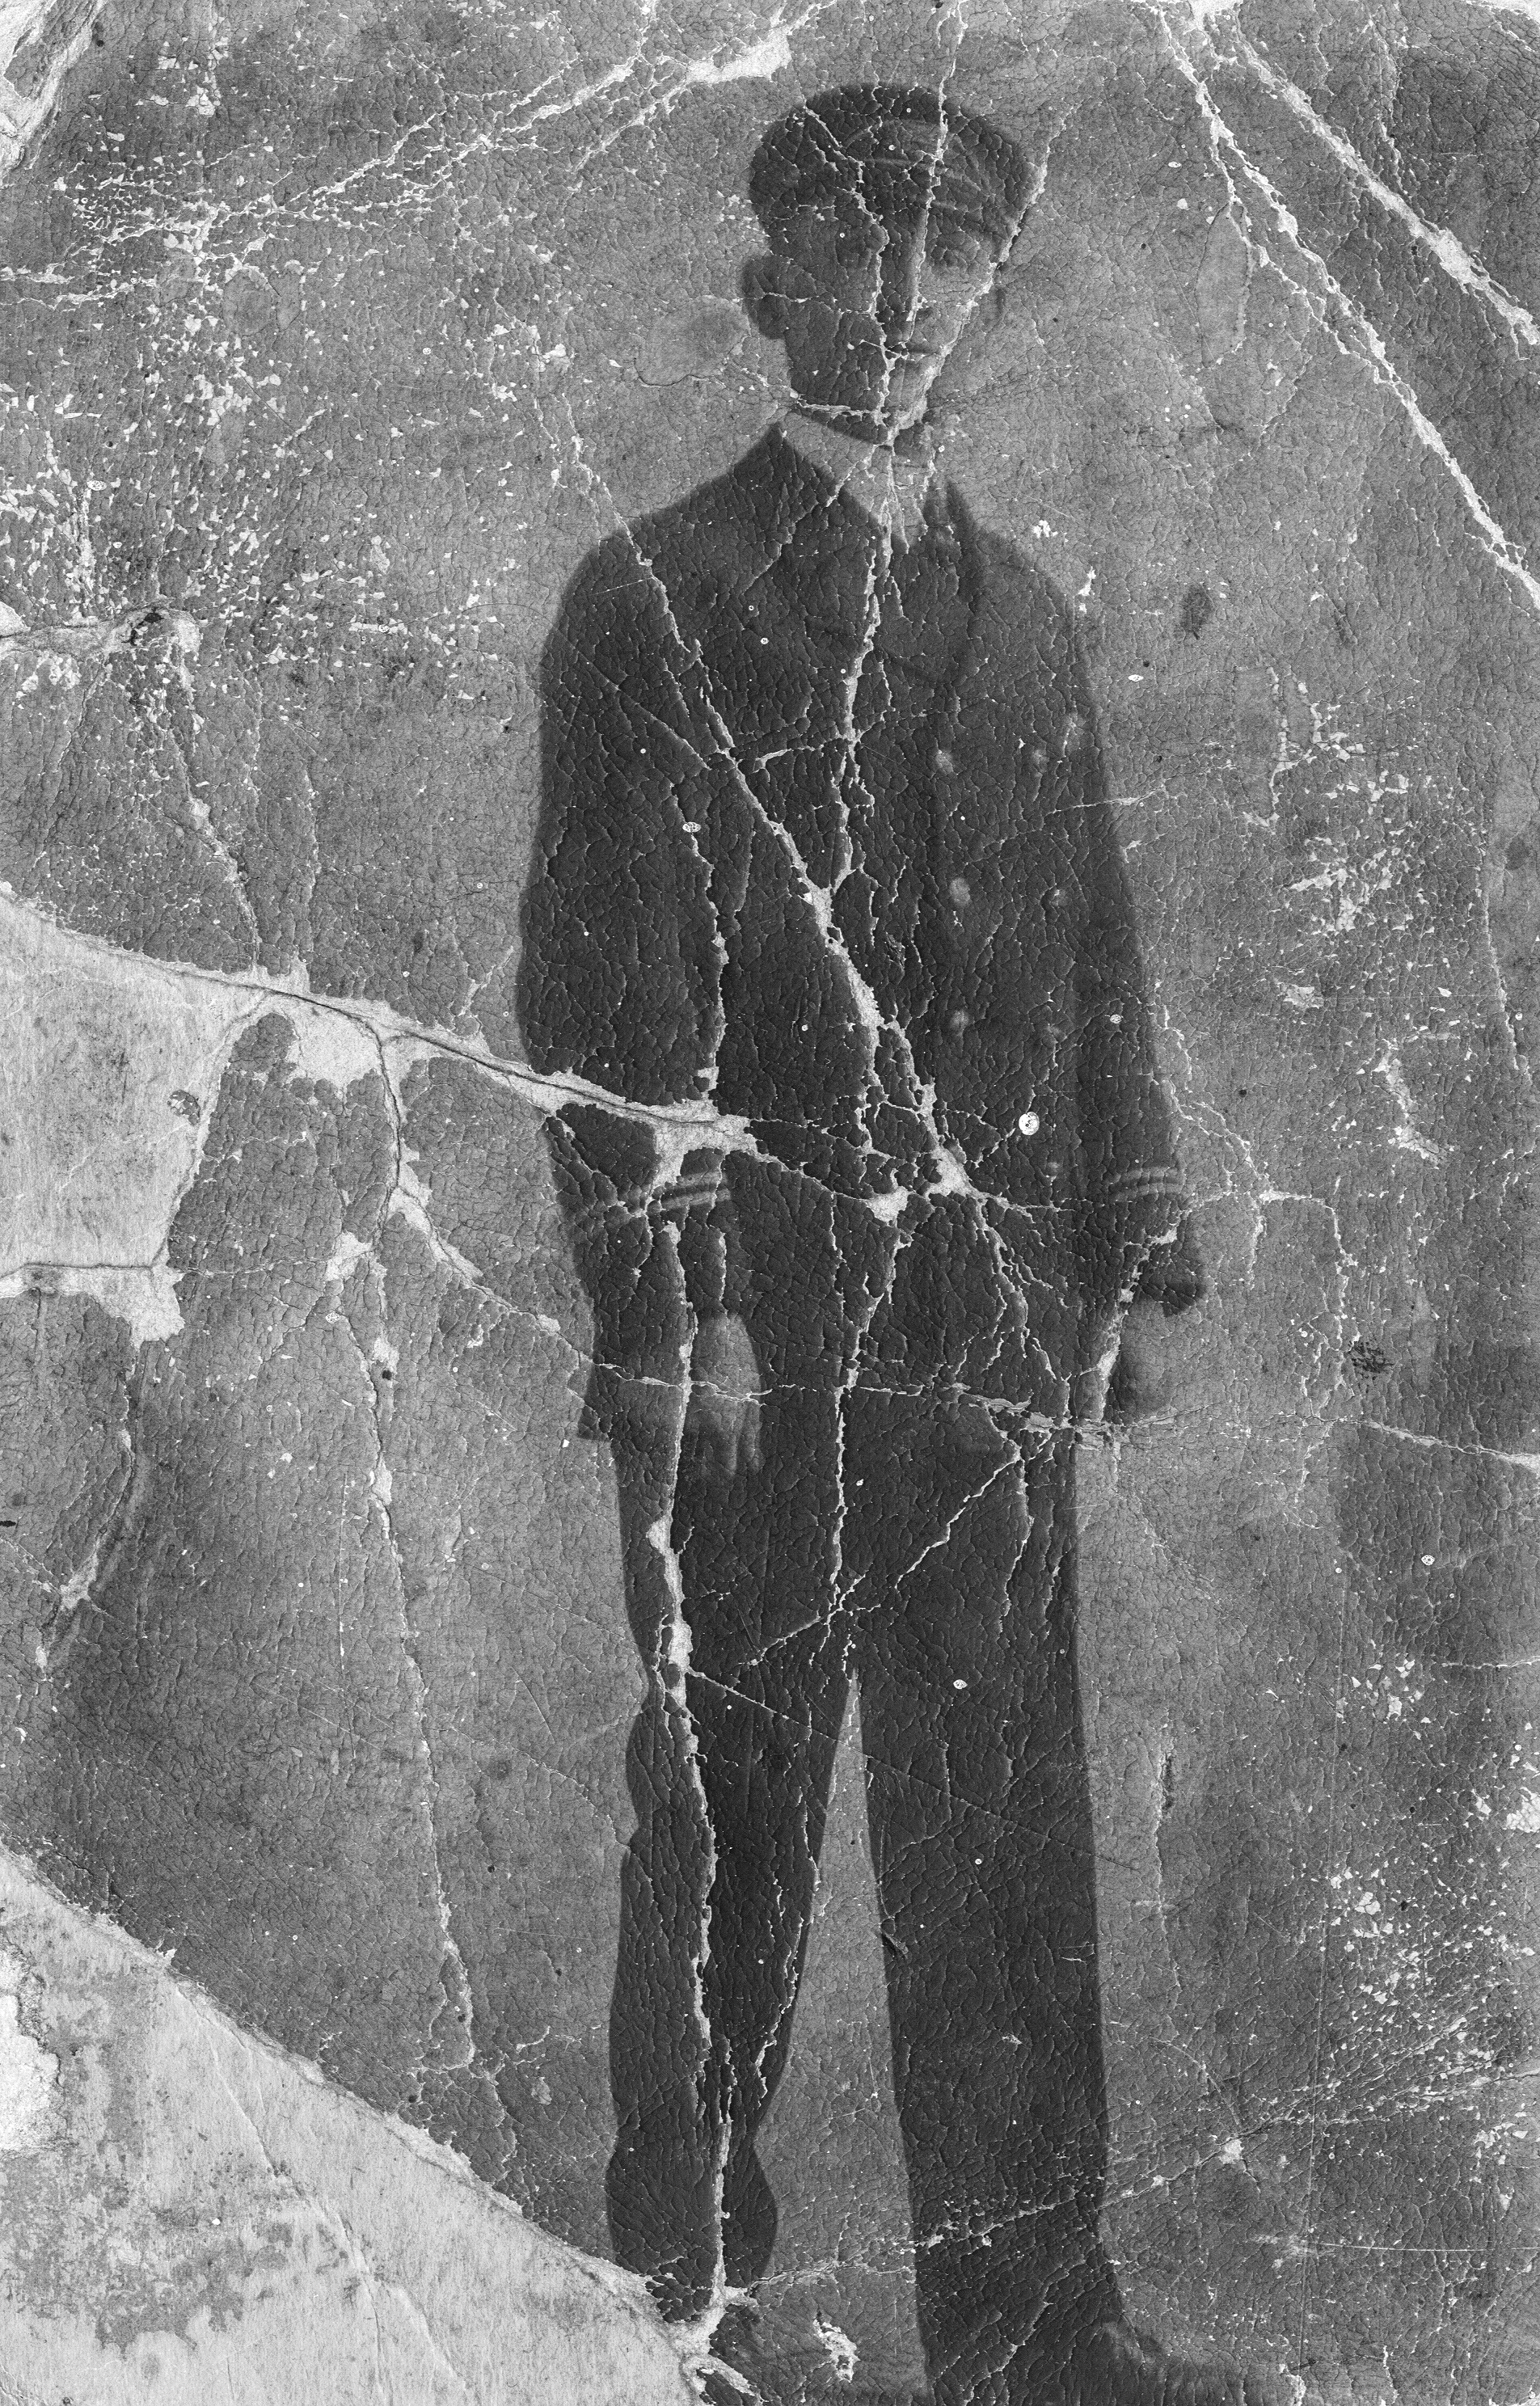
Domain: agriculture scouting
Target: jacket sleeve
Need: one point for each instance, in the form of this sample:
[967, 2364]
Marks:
[1137, 1237]
[620, 964]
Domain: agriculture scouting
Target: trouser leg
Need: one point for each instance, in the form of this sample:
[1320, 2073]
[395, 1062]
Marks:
[729, 1768]
[768, 1734]
[661, 2181]
[980, 1822]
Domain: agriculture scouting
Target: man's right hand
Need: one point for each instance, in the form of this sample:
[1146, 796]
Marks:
[724, 1391]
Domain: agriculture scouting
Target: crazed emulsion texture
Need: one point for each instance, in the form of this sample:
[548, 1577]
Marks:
[338, 346]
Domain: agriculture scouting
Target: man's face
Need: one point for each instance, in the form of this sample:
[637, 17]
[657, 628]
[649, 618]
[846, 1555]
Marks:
[873, 312]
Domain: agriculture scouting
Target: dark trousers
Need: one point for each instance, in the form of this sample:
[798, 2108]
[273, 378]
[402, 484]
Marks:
[913, 1546]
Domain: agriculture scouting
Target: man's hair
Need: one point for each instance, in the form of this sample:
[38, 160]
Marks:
[892, 152]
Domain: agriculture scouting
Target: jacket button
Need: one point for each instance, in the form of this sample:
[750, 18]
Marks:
[1029, 1124]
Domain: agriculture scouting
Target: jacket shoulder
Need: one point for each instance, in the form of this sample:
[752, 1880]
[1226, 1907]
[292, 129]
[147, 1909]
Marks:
[641, 562]
[709, 543]
[613, 649]
[1026, 621]
[609, 590]
[1014, 588]
[631, 597]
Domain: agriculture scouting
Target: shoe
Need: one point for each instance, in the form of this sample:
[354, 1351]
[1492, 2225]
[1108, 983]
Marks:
[718, 2384]
[1115, 2365]
[729, 2375]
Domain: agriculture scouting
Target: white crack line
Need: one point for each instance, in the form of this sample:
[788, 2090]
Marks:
[678, 1126]
[1527, 1462]
[337, 1040]
[1495, 541]
[1458, 264]
[24, 114]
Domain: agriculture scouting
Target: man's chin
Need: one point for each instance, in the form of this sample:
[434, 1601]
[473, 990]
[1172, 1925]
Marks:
[905, 413]
[908, 392]
[883, 417]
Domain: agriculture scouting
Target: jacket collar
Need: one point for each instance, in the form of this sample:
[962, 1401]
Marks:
[817, 547]
[892, 484]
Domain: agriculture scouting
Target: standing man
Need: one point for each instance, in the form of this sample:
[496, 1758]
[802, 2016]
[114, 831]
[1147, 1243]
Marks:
[826, 851]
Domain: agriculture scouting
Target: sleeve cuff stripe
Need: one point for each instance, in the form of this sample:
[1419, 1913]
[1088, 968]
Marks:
[1147, 1182]
[691, 1192]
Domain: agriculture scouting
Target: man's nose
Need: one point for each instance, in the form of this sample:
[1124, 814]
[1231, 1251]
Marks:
[899, 291]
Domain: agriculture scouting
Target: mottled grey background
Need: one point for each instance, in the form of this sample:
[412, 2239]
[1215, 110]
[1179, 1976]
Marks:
[331, 340]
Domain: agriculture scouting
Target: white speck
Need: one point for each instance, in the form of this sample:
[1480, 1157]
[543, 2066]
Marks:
[350, 1250]
[839, 2349]
[761, 59]
[1029, 1124]
[27, 2076]
[1405, 1134]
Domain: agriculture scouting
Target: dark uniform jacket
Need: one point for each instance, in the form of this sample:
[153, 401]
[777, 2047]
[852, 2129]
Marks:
[829, 847]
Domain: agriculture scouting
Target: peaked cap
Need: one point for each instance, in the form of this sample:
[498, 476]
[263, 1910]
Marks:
[894, 151]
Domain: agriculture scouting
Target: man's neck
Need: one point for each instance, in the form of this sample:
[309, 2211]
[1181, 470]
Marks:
[888, 476]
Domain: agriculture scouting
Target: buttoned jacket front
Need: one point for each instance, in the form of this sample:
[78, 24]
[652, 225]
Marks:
[831, 848]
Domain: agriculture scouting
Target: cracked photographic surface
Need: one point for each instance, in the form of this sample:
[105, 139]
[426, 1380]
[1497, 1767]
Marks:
[769, 883]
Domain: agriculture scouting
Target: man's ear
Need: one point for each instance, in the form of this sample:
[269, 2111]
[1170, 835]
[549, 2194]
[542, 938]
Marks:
[764, 295]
